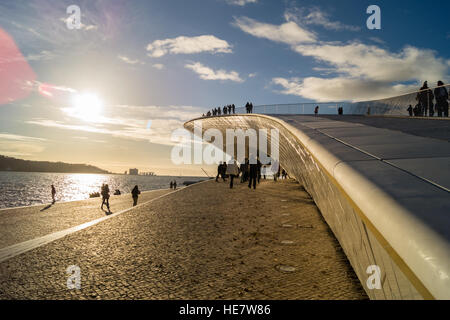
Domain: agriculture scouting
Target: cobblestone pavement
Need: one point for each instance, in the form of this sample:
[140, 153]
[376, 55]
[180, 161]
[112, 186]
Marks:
[203, 242]
[26, 223]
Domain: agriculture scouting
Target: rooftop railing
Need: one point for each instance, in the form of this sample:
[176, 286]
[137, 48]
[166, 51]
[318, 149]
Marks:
[390, 106]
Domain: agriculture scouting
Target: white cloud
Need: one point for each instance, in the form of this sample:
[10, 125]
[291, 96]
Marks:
[316, 16]
[207, 73]
[130, 122]
[340, 89]
[129, 61]
[365, 72]
[82, 25]
[188, 45]
[359, 71]
[290, 32]
[44, 55]
[18, 145]
[373, 63]
[15, 137]
[377, 40]
[252, 75]
[158, 66]
[241, 2]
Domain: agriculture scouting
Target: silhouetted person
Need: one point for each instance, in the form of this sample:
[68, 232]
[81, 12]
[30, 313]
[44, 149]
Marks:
[275, 170]
[244, 170]
[171, 185]
[425, 97]
[316, 110]
[219, 171]
[416, 110]
[410, 110]
[441, 95]
[259, 164]
[135, 194]
[105, 196]
[253, 173]
[174, 184]
[251, 107]
[53, 194]
[232, 171]
[229, 109]
[233, 107]
[223, 173]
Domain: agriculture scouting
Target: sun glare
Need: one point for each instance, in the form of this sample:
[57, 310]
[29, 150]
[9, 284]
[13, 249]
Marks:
[87, 106]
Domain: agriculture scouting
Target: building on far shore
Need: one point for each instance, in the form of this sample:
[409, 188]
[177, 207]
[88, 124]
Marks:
[133, 172]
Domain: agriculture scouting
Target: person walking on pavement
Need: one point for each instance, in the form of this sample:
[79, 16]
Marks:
[441, 95]
[219, 171]
[135, 194]
[253, 174]
[425, 97]
[259, 169]
[105, 196]
[232, 171]
[53, 194]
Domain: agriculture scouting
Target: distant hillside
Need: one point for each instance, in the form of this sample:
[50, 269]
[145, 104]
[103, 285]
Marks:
[12, 164]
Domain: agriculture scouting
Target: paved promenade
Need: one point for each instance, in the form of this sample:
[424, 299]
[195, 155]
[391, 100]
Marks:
[22, 224]
[202, 242]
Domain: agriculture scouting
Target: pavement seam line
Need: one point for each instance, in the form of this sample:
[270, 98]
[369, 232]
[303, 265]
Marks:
[22, 247]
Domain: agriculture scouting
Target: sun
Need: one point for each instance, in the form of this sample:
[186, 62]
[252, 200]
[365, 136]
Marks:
[87, 106]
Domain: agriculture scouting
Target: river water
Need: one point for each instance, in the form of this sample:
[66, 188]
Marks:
[30, 188]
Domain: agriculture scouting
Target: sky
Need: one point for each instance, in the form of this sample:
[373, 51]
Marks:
[145, 67]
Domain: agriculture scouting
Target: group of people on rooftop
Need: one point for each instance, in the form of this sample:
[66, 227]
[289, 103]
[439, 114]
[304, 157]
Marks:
[249, 107]
[229, 109]
[250, 171]
[425, 101]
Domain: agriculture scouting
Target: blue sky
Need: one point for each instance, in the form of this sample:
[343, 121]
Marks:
[169, 61]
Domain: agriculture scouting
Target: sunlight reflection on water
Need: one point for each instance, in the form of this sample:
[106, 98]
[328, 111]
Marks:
[28, 188]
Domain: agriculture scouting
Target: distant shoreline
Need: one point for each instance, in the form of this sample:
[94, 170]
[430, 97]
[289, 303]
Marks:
[20, 171]
[109, 173]
[10, 164]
